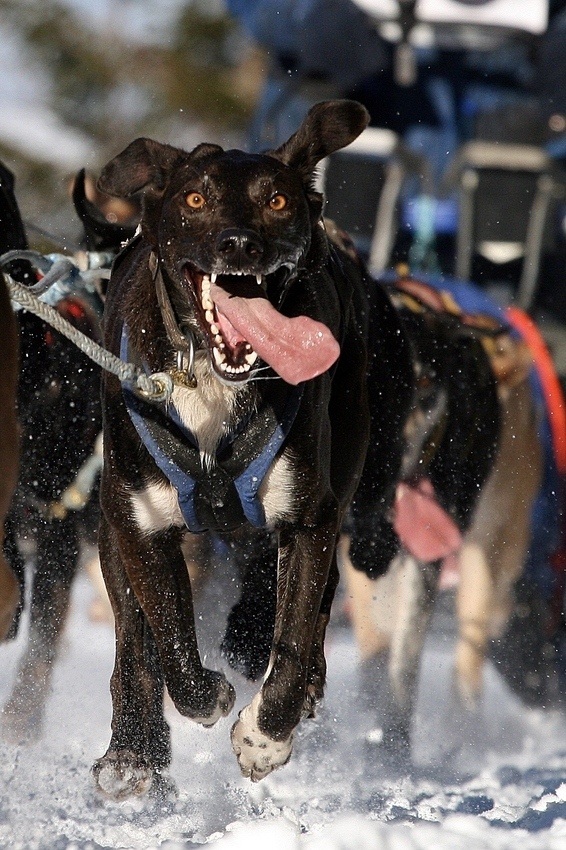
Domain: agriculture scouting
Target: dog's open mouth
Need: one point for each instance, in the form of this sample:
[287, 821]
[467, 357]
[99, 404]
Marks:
[242, 326]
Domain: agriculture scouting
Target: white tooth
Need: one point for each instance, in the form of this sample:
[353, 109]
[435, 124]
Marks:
[205, 281]
[251, 358]
[259, 279]
[224, 367]
[245, 367]
[214, 329]
[207, 302]
[213, 277]
[218, 356]
[209, 316]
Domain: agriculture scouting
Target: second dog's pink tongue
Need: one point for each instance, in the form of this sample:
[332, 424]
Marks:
[298, 349]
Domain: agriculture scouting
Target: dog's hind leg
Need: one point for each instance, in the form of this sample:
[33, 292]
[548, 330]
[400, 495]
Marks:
[473, 600]
[415, 586]
[56, 564]
[249, 632]
[495, 547]
[370, 606]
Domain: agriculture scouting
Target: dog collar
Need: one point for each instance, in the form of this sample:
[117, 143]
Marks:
[182, 342]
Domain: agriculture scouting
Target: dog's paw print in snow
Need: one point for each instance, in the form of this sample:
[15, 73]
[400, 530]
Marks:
[257, 754]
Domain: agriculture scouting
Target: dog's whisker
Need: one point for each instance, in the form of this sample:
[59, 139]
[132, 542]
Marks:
[265, 378]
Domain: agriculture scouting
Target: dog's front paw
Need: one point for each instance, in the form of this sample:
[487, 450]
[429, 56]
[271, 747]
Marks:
[257, 753]
[122, 774]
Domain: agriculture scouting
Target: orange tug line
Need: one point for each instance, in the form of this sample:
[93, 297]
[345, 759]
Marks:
[552, 390]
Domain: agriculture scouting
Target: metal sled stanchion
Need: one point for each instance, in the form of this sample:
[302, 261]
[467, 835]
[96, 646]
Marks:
[382, 164]
[507, 193]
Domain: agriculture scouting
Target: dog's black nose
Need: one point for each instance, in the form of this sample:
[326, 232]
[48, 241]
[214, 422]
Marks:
[239, 246]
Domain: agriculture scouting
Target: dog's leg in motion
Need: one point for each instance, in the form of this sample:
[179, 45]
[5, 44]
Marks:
[56, 562]
[262, 737]
[249, 632]
[317, 668]
[390, 618]
[417, 584]
[149, 648]
[496, 545]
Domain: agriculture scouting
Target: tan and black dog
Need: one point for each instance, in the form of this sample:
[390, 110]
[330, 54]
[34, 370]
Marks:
[470, 475]
[234, 289]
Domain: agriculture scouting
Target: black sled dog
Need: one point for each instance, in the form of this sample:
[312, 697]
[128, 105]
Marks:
[234, 288]
[59, 415]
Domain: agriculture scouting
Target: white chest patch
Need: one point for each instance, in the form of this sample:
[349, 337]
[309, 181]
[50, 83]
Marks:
[206, 411]
[278, 492]
[156, 507]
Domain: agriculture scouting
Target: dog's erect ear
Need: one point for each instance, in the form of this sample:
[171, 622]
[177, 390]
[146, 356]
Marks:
[328, 126]
[143, 164]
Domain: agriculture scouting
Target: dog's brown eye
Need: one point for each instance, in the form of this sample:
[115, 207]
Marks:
[195, 200]
[278, 203]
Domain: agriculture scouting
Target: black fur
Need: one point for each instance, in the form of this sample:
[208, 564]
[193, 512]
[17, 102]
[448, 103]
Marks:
[215, 211]
[59, 411]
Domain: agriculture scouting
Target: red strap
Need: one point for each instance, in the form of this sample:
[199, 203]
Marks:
[552, 390]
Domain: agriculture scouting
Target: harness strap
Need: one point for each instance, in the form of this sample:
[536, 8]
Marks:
[221, 497]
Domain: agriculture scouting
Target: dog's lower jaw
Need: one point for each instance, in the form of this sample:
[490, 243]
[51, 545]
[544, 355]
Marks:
[258, 754]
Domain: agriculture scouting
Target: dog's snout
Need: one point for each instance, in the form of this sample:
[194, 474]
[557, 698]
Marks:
[239, 246]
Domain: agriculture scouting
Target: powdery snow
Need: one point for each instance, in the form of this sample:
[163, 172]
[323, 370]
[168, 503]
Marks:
[496, 781]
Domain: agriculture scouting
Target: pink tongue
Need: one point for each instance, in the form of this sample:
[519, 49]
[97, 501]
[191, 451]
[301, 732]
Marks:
[423, 527]
[297, 349]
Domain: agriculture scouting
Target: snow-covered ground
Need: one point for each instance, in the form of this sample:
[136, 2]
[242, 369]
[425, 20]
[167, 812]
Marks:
[498, 783]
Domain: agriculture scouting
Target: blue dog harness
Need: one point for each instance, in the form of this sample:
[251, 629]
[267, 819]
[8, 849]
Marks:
[223, 496]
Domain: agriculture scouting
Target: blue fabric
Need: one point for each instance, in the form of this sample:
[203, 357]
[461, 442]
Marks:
[328, 42]
[183, 483]
[247, 484]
